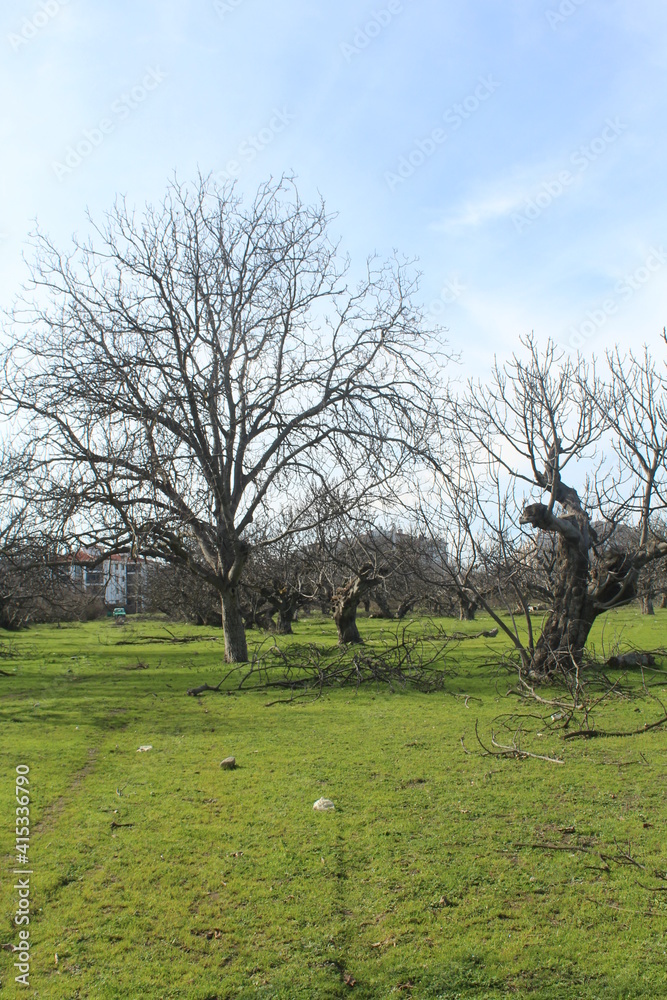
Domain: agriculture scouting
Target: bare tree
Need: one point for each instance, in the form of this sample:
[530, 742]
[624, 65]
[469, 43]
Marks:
[36, 584]
[174, 590]
[206, 366]
[538, 416]
[281, 579]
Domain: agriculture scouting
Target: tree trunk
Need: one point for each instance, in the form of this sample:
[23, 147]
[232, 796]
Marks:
[346, 601]
[561, 644]
[285, 602]
[647, 605]
[663, 601]
[286, 615]
[467, 608]
[345, 617]
[407, 604]
[236, 648]
[383, 603]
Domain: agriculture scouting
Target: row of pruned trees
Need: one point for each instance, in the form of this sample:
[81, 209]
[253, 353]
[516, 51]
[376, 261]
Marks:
[205, 385]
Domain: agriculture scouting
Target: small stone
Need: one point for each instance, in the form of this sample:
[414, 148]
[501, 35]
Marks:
[229, 763]
[323, 805]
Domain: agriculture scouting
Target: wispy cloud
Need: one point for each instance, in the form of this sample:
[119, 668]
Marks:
[478, 211]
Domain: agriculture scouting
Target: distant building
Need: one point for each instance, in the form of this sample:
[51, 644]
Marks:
[119, 580]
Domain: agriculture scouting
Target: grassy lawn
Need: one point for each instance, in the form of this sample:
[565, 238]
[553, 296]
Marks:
[157, 874]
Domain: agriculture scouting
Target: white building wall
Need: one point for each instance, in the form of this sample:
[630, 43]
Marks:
[116, 586]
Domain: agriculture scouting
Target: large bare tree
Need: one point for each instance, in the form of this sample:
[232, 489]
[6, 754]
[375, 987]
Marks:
[205, 365]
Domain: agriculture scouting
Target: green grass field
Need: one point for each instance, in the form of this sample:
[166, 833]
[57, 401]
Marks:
[442, 873]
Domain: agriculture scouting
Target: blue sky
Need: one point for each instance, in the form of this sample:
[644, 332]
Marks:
[517, 148]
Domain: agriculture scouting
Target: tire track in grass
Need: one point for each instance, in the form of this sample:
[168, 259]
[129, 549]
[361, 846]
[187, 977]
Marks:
[53, 811]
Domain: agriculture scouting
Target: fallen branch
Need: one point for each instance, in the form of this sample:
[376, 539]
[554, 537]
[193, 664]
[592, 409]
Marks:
[205, 687]
[554, 847]
[591, 734]
[489, 633]
[151, 639]
[515, 751]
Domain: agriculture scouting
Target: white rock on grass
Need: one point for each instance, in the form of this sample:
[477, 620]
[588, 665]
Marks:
[323, 805]
[229, 763]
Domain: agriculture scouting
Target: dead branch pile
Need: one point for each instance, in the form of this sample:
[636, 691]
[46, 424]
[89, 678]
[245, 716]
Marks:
[399, 660]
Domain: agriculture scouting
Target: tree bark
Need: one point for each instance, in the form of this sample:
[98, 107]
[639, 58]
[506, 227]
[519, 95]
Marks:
[285, 602]
[561, 644]
[407, 604]
[287, 613]
[236, 647]
[647, 605]
[467, 608]
[284, 623]
[346, 601]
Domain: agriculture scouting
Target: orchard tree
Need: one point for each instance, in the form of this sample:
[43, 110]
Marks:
[205, 365]
[536, 425]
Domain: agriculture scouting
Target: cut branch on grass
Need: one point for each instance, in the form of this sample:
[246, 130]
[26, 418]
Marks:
[553, 847]
[203, 687]
[591, 734]
[512, 750]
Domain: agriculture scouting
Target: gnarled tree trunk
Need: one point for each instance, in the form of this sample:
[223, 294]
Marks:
[567, 626]
[284, 600]
[407, 604]
[581, 592]
[467, 607]
[346, 601]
